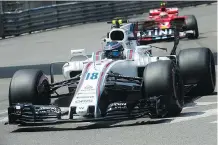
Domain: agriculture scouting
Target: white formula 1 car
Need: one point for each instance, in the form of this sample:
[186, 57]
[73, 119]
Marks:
[107, 89]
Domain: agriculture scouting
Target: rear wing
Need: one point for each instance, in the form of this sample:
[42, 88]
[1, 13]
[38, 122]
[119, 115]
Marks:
[148, 24]
[172, 10]
[154, 12]
[176, 23]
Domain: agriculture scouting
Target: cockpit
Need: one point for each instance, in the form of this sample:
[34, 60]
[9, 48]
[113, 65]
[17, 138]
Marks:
[163, 15]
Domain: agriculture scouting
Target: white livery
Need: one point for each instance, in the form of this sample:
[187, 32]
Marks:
[89, 90]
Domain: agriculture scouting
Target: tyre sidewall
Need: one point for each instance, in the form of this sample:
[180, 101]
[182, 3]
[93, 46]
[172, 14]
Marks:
[163, 80]
[29, 86]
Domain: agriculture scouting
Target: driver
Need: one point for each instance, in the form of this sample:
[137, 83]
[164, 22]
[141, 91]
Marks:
[114, 50]
[163, 15]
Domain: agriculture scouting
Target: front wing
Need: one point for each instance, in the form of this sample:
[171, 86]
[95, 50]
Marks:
[35, 115]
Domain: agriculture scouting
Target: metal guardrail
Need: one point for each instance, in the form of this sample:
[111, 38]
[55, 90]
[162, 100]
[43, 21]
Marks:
[55, 16]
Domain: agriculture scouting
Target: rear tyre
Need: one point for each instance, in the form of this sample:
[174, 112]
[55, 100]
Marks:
[191, 24]
[29, 86]
[162, 78]
[197, 66]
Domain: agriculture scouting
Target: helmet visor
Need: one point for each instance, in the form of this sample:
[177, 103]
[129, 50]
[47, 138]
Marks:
[115, 53]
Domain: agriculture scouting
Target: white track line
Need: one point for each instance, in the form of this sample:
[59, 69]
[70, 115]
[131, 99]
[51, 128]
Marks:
[198, 104]
[214, 122]
[3, 112]
[3, 119]
[207, 113]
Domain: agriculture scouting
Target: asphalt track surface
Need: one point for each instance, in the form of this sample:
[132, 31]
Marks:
[197, 124]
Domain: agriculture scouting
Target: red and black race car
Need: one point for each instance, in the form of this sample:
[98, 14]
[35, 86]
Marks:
[161, 20]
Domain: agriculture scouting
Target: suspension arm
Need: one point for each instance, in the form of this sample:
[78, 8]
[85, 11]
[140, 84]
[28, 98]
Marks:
[115, 75]
[57, 85]
[125, 83]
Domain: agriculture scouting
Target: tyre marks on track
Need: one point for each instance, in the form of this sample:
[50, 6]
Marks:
[198, 115]
[3, 112]
[198, 104]
[214, 122]
[3, 116]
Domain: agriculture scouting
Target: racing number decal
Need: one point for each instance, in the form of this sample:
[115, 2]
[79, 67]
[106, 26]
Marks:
[92, 76]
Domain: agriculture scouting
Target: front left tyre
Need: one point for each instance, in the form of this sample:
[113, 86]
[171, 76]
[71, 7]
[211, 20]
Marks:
[191, 24]
[162, 78]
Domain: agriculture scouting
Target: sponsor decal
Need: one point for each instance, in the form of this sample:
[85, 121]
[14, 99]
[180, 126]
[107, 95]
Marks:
[119, 104]
[76, 52]
[83, 101]
[49, 110]
[92, 76]
[81, 107]
[128, 43]
[81, 110]
[163, 27]
[84, 92]
[85, 97]
[157, 32]
[88, 87]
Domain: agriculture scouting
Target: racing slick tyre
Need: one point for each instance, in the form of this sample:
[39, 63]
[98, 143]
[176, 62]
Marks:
[191, 24]
[29, 86]
[162, 78]
[197, 66]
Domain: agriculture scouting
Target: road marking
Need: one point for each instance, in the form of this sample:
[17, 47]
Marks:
[3, 119]
[214, 121]
[205, 103]
[198, 104]
[3, 112]
[207, 113]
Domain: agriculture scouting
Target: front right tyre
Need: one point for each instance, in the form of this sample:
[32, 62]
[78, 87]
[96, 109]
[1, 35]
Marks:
[29, 86]
[191, 24]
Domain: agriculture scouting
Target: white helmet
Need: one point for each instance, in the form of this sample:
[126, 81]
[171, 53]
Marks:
[163, 14]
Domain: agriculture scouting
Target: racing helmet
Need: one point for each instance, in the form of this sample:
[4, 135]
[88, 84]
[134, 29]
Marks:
[163, 14]
[114, 50]
[163, 6]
